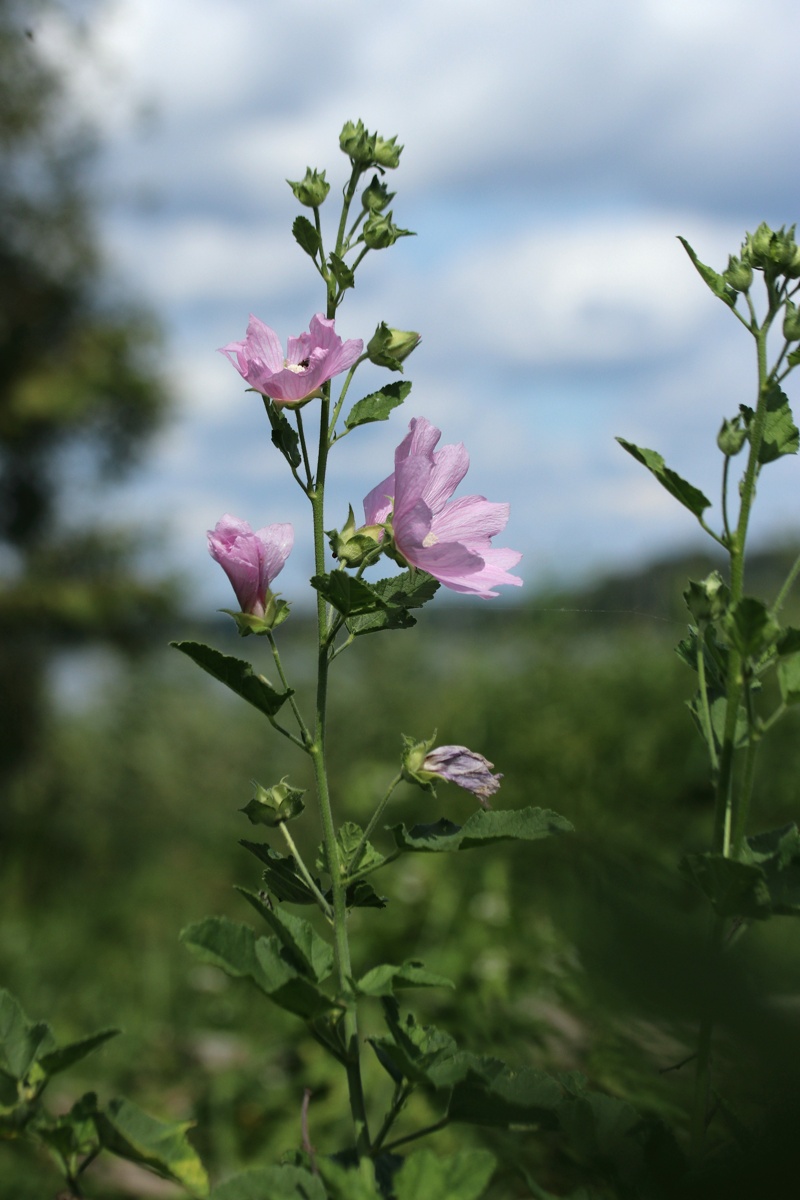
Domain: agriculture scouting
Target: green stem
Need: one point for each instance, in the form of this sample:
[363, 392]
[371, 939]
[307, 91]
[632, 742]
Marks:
[376, 816]
[301, 433]
[304, 871]
[412, 1137]
[317, 752]
[305, 733]
[705, 710]
[787, 587]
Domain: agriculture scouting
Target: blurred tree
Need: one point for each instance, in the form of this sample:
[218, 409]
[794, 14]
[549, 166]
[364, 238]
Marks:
[79, 390]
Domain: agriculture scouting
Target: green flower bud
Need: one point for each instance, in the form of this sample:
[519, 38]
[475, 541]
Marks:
[387, 152]
[380, 232]
[791, 322]
[707, 599]
[357, 144]
[414, 755]
[756, 246]
[731, 437]
[785, 253]
[272, 806]
[355, 546]
[389, 347]
[312, 189]
[376, 196]
[275, 613]
[738, 275]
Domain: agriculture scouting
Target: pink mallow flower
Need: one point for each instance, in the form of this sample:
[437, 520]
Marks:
[311, 359]
[464, 767]
[250, 560]
[450, 539]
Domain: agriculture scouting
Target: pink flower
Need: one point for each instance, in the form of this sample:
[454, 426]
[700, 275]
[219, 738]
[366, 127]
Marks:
[311, 359]
[250, 560]
[450, 539]
[464, 767]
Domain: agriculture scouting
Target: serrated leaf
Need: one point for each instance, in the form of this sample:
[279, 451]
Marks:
[751, 627]
[343, 274]
[710, 277]
[235, 948]
[410, 589]
[426, 1175]
[22, 1041]
[412, 1050]
[281, 877]
[64, 1056]
[385, 979]
[306, 236]
[492, 1094]
[236, 674]
[781, 435]
[482, 828]
[348, 840]
[310, 953]
[348, 1183]
[348, 595]
[277, 1183]
[685, 493]
[130, 1133]
[378, 405]
[765, 881]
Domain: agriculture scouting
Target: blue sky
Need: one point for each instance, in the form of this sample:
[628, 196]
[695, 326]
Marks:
[553, 151]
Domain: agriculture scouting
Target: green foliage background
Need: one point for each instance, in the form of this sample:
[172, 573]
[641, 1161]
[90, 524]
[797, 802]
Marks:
[580, 952]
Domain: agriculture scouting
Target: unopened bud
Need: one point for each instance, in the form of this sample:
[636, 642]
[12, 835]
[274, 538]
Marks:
[312, 189]
[390, 347]
[380, 231]
[376, 196]
[738, 275]
[731, 437]
[354, 546]
[272, 806]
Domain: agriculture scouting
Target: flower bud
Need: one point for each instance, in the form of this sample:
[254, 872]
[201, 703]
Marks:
[376, 196]
[312, 189]
[386, 152]
[791, 323]
[355, 546]
[380, 231]
[738, 275]
[756, 246]
[707, 599]
[422, 765]
[389, 347]
[731, 437]
[272, 806]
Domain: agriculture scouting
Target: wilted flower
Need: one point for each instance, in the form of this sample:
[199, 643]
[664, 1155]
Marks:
[250, 560]
[456, 764]
[450, 539]
[311, 359]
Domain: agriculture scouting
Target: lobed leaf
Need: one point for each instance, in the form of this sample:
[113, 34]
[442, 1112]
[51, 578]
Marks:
[236, 674]
[130, 1133]
[482, 828]
[710, 277]
[311, 954]
[306, 236]
[64, 1056]
[284, 437]
[384, 979]
[399, 593]
[281, 876]
[426, 1175]
[765, 881]
[348, 595]
[342, 273]
[378, 405]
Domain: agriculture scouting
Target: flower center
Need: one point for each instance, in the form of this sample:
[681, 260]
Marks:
[297, 368]
[430, 539]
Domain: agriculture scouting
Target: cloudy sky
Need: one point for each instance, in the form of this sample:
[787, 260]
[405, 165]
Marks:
[553, 151]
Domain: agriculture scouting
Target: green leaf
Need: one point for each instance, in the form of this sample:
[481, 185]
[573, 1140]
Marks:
[343, 274]
[378, 405]
[284, 436]
[781, 435]
[235, 948]
[361, 895]
[399, 593]
[384, 979]
[348, 1183]
[348, 839]
[751, 627]
[236, 674]
[412, 1050]
[281, 877]
[65, 1056]
[426, 1175]
[277, 1183]
[348, 595]
[710, 277]
[130, 1133]
[310, 953]
[306, 236]
[789, 678]
[483, 828]
[22, 1042]
[488, 1092]
[765, 881]
[688, 495]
